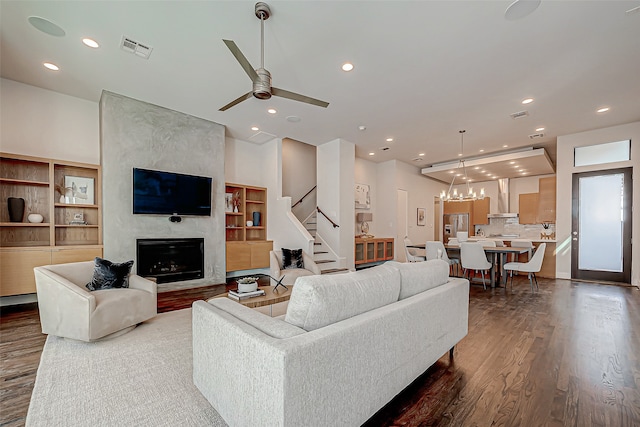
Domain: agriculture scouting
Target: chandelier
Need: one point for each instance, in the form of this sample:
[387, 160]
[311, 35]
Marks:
[470, 194]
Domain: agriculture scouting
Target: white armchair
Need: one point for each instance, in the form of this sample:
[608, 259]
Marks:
[291, 274]
[68, 309]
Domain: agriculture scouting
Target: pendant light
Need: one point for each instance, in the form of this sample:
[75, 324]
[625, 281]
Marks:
[454, 196]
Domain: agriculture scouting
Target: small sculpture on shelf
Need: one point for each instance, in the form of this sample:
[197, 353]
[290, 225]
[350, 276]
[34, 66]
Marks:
[236, 201]
[65, 193]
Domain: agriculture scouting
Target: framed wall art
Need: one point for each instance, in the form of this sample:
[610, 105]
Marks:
[362, 198]
[422, 216]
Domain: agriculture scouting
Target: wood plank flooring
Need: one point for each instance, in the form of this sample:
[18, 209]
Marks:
[568, 355]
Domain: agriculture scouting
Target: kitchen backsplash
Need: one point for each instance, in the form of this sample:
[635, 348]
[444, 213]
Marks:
[510, 227]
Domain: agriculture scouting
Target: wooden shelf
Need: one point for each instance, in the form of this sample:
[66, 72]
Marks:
[24, 224]
[23, 182]
[24, 245]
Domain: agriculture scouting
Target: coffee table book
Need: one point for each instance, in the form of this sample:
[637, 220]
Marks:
[234, 294]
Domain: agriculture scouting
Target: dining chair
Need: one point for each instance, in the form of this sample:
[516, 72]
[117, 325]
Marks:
[522, 244]
[435, 250]
[531, 267]
[488, 243]
[412, 253]
[472, 257]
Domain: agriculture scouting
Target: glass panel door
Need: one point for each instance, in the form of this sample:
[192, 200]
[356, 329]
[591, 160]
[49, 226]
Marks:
[601, 235]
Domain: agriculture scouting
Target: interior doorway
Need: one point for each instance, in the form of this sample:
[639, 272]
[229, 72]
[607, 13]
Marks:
[402, 209]
[601, 225]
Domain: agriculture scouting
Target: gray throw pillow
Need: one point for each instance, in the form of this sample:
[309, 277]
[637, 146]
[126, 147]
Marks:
[292, 258]
[107, 275]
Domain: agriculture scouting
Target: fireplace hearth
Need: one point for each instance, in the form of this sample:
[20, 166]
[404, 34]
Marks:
[170, 260]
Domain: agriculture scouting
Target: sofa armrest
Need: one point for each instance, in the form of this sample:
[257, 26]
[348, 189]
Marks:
[57, 299]
[138, 282]
[310, 264]
[274, 266]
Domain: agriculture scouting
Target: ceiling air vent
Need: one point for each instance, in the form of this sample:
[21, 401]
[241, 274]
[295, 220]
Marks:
[132, 46]
[261, 137]
[536, 135]
[519, 114]
[418, 159]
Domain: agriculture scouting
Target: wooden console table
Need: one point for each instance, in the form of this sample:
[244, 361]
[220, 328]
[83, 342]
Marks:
[375, 249]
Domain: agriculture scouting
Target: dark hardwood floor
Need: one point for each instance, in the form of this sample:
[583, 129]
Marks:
[568, 355]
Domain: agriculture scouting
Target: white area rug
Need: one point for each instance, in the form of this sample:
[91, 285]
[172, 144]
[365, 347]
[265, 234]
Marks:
[142, 378]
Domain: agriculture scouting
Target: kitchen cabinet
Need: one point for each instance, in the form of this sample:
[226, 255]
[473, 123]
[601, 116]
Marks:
[481, 211]
[528, 208]
[547, 200]
[373, 250]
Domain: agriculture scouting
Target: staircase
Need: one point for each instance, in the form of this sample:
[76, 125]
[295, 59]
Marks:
[321, 255]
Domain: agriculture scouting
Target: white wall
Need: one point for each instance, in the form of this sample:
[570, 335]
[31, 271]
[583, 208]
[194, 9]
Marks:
[366, 172]
[42, 123]
[299, 175]
[565, 170]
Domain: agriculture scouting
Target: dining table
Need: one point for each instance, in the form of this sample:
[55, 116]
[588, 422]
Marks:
[498, 256]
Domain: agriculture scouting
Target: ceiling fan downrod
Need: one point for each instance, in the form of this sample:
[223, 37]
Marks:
[262, 86]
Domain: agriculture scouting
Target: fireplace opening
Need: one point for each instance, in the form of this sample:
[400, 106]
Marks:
[170, 260]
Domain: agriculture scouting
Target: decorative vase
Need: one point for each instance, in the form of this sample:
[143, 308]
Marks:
[35, 218]
[256, 219]
[16, 209]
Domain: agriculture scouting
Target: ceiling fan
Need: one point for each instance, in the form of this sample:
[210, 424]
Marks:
[260, 77]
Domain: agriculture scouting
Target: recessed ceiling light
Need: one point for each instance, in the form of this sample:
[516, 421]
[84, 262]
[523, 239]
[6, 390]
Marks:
[482, 171]
[523, 173]
[603, 110]
[51, 66]
[458, 174]
[482, 150]
[347, 66]
[489, 174]
[293, 119]
[90, 42]
[421, 154]
[512, 163]
[271, 111]
[372, 153]
[451, 171]
[505, 146]
[464, 177]
[255, 128]
[527, 101]
[477, 167]
[389, 139]
[362, 127]
[539, 129]
[459, 154]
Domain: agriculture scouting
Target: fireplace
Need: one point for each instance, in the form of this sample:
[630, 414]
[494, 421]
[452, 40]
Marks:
[170, 260]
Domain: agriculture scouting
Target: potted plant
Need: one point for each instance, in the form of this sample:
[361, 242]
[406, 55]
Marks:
[248, 284]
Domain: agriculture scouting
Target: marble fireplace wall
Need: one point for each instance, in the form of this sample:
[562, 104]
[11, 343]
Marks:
[136, 134]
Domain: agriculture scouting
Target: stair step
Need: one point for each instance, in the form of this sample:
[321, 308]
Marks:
[324, 261]
[320, 252]
[334, 270]
[312, 229]
[314, 223]
[316, 243]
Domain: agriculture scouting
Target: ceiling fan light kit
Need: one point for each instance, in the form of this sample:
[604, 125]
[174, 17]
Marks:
[261, 77]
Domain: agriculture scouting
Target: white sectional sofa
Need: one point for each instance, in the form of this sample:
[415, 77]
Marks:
[347, 345]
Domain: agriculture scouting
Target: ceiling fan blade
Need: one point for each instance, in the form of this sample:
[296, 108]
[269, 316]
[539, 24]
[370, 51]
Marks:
[246, 66]
[237, 101]
[297, 97]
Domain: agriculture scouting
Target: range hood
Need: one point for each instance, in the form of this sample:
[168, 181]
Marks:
[503, 201]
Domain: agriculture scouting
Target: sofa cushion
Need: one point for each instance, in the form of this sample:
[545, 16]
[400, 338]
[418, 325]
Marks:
[274, 327]
[107, 275]
[292, 258]
[318, 301]
[418, 277]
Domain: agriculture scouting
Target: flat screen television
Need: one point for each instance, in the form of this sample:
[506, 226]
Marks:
[168, 193]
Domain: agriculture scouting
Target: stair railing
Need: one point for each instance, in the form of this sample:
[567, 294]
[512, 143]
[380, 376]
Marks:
[302, 198]
[329, 219]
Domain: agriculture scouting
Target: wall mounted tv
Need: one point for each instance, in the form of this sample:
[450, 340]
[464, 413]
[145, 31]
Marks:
[168, 193]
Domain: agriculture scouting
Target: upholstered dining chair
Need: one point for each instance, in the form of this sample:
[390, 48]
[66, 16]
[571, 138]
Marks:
[472, 257]
[531, 268]
[68, 309]
[277, 268]
[436, 250]
[413, 254]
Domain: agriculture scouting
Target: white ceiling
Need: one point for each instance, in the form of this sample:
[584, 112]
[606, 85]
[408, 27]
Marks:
[423, 69]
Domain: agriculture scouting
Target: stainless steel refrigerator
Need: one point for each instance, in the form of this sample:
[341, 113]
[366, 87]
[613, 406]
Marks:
[453, 223]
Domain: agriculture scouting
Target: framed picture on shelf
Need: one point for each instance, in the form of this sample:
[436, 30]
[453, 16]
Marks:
[82, 191]
[422, 216]
[228, 202]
